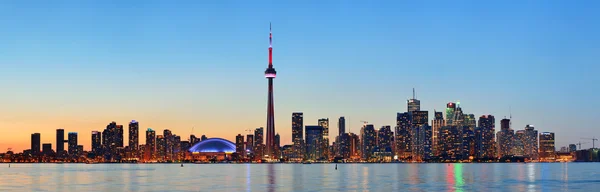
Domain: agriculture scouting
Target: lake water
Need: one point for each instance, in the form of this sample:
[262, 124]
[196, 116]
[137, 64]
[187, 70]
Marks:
[301, 177]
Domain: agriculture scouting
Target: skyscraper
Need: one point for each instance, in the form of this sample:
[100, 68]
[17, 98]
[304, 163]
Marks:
[119, 136]
[531, 142]
[421, 146]
[344, 145]
[547, 149]
[35, 144]
[484, 137]
[134, 135]
[450, 107]
[96, 142]
[277, 146]
[403, 142]
[341, 125]
[270, 74]
[150, 144]
[325, 124]
[250, 143]
[468, 142]
[259, 145]
[413, 104]
[60, 141]
[505, 138]
[384, 138]
[168, 135]
[239, 145]
[450, 143]
[298, 135]
[314, 140]
[72, 143]
[436, 124]
[368, 141]
[161, 147]
[519, 143]
[419, 118]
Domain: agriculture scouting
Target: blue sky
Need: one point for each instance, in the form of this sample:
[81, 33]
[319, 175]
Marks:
[80, 65]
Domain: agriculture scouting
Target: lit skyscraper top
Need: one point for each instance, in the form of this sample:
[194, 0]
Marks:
[413, 104]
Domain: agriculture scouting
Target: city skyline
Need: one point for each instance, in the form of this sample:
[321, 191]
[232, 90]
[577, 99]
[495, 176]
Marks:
[62, 81]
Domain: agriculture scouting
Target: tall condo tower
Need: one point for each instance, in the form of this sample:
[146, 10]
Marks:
[270, 74]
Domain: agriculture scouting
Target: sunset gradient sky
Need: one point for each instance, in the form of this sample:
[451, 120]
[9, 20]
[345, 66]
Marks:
[80, 65]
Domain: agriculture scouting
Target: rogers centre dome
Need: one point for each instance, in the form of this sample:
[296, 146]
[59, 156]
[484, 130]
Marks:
[213, 145]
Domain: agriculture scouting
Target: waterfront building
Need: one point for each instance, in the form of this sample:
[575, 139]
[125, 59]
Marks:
[314, 142]
[368, 141]
[297, 135]
[36, 144]
[547, 148]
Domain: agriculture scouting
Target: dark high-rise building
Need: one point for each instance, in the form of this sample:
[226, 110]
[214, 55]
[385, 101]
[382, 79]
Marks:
[484, 137]
[35, 144]
[60, 141]
[277, 146]
[385, 136]
[547, 149]
[161, 147]
[150, 144]
[270, 74]
[419, 118]
[168, 148]
[368, 141]
[403, 142]
[505, 138]
[79, 150]
[436, 126]
[47, 149]
[259, 144]
[469, 121]
[451, 143]
[314, 142]
[72, 143]
[572, 147]
[239, 145]
[203, 138]
[96, 142]
[468, 143]
[519, 143]
[325, 145]
[531, 142]
[194, 139]
[344, 145]
[134, 129]
[421, 146]
[250, 143]
[119, 136]
[505, 124]
[259, 136]
[341, 125]
[450, 108]
[177, 147]
[298, 135]
[413, 104]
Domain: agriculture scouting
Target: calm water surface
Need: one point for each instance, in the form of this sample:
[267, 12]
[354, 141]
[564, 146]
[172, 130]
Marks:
[300, 177]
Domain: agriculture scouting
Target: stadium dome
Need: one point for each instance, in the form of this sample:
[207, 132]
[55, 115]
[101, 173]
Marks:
[213, 145]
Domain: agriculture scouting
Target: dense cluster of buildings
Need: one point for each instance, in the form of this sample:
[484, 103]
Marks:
[450, 136]
[454, 136]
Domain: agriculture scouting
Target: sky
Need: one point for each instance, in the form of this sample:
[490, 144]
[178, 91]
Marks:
[198, 66]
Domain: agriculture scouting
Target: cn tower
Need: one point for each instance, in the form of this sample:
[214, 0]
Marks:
[270, 74]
